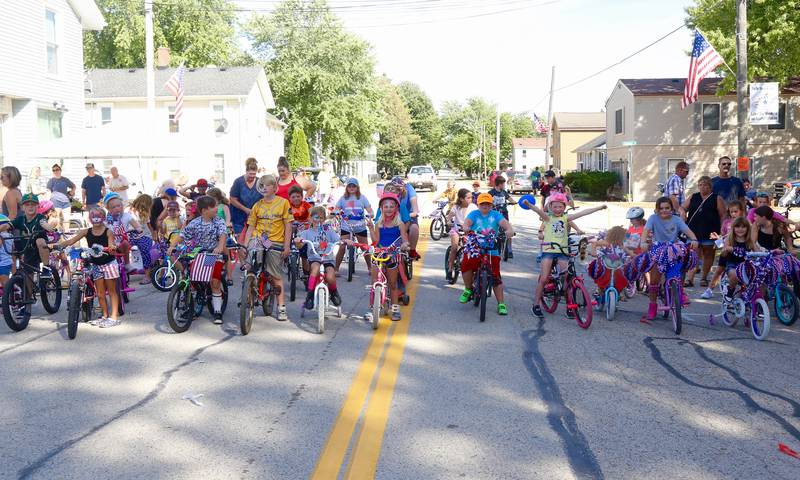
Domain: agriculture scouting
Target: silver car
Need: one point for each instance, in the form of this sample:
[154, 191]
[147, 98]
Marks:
[520, 182]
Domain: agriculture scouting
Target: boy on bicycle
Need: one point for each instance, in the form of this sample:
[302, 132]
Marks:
[33, 224]
[270, 218]
[322, 237]
[483, 221]
[209, 233]
[502, 199]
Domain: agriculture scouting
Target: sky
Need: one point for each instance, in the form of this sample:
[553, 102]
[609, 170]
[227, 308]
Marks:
[506, 57]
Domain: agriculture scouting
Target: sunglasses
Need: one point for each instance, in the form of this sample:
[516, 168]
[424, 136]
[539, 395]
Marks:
[725, 164]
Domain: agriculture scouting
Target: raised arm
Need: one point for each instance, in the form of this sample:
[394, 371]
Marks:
[588, 211]
[537, 210]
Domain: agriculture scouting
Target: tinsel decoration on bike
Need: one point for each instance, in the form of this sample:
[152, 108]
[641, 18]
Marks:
[630, 271]
[475, 242]
[669, 255]
[787, 266]
[753, 274]
[596, 269]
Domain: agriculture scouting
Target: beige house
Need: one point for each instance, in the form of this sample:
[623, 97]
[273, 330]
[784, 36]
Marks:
[570, 131]
[648, 133]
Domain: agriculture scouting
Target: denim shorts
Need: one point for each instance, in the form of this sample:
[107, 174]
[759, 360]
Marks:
[5, 270]
[554, 256]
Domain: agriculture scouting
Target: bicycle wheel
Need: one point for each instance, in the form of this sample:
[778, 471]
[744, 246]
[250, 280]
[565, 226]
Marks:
[550, 300]
[759, 319]
[484, 293]
[73, 310]
[50, 291]
[268, 304]
[675, 306]
[120, 302]
[247, 304]
[583, 304]
[377, 303]
[437, 228]
[505, 249]
[321, 300]
[786, 305]
[293, 277]
[611, 304]
[122, 286]
[87, 308]
[16, 311]
[456, 268]
[351, 262]
[163, 278]
[180, 307]
[408, 264]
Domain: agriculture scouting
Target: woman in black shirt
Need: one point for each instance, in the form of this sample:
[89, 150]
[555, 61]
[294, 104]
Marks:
[704, 212]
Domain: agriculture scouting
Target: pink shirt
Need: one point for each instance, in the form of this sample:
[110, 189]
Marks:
[751, 216]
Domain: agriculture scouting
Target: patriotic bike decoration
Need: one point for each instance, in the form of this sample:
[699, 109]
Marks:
[475, 242]
[203, 266]
[664, 255]
[608, 257]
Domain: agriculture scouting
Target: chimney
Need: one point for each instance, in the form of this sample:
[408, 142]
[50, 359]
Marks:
[162, 57]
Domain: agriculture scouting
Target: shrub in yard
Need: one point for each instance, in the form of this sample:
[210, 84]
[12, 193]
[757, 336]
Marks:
[594, 184]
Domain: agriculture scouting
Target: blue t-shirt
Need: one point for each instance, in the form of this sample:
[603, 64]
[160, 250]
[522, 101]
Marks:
[247, 197]
[484, 224]
[94, 188]
[410, 193]
[729, 189]
[353, 212]
[5, 256]
[405, 216]
[666, 230]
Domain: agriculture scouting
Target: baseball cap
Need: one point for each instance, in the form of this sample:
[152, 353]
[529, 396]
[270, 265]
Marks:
[485, 198]
[352, 181]
[171, 192]
[202, 182]
[549, 173]
[476, 183]
[29, 198]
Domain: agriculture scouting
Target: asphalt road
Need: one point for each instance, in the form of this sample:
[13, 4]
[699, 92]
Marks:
[437, 395]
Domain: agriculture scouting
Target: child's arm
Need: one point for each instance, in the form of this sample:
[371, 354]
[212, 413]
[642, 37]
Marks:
[506, 225]
[221, 243]
[537, 210]
[588, 211]
[70, 241]
[644, 241]
[575, 227]
[404, 236]
[287, 237]
[110, 235]
[227, 211]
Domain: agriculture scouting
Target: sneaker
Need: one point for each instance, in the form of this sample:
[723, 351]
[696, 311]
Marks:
[229, 282]
[309, 303]
[536, 310]
[501, 309]
[396, 312]
[510, 255]
[217, 319]
[97, 321]
[413, 255]
[465, 296]
[652, 310]
[108, 323]
[707, 294]
[282, 316]
[336, 300]
[368, 317]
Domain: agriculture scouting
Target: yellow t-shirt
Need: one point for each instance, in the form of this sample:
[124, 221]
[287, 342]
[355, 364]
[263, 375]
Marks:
[172, 225]
[556, 230]
[270, 218]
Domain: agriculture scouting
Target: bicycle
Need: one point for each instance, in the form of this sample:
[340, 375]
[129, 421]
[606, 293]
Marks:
[352, 253]
[481, 245]
[379, 295]
[438, 220]
[321, 293]
[569, 283]
[82, 292]
[672, 259]
[257, 285]
[23, 287]
[610, 261]
[293, 262]
[754, 273]
[453, 274]
[786, 303]
[162, 273]
[500, 205]
[189, 296]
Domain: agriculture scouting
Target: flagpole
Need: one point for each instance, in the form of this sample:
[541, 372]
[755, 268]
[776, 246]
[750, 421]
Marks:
[742, 97]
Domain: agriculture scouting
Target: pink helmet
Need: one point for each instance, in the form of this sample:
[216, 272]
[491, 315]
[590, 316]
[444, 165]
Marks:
[390, 196]
[557, 197]
[45, 206]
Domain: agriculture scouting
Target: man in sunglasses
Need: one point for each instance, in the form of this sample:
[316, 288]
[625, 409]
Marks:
[729, 188]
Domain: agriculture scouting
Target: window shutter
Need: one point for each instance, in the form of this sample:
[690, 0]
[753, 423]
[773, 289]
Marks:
[698, 117]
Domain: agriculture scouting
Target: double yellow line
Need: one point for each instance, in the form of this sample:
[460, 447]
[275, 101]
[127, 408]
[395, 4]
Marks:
[383, 357]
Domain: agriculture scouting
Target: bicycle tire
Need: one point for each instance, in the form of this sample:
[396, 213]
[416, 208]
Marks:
[377, 303]
[321, 301]
[583, 311]
[505, 249]
[292, 279]
[351, 262]
[180, 307]
[759, 319]
[87, 308]
[437, 228]
[786, 305]
[611, 304]
[456, 268]
[484, 286]
[163, 278]
[16, 313]
[408, 264]
[120, 303]
[49, 286]
[73, 310]
[268, 304]
[247, 305]
[550, 301]
[675, 307]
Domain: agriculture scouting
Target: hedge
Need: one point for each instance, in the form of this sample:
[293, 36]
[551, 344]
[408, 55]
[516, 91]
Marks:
[595, 184]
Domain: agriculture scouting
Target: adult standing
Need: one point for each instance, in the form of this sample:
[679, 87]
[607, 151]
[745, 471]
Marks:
[93, 188]
[704, 212]
[676, 186]
[12, 197]
[287, 180]
[324, 182]
[61, 190]
[119, 185]
[728, 187]
[536, 177]
[244, 195]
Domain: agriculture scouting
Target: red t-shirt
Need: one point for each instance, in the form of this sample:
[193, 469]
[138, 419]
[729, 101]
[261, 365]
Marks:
[300, 212]
[283, 190]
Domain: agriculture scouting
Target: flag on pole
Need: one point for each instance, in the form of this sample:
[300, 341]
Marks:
[202, 267]
[704, 60]
[175, 86]
[538, 124]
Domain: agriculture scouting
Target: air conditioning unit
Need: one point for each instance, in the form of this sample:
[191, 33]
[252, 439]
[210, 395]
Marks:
[5, 106]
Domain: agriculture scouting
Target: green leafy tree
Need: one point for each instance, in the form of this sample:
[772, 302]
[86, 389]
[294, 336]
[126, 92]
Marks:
[299, 155]
[323, 75]
[425, 123]
[772, 33]
[462, 127]
[198, 33]
[397, 137]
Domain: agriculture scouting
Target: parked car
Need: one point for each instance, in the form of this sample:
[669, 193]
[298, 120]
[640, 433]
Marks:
[520, 182]
[422, 176]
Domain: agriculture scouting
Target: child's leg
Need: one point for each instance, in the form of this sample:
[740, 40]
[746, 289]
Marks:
[733, 282]
[342, 249]
[44, 253]
[716, 278]
[563, 263]
[111, 286]
[391, 276]
[362, 239]
[544, 274]
[216, 295]
[100, 288]
[453, 250]
[655, 280]
[330, 277]
[312, 276]
[708, 260]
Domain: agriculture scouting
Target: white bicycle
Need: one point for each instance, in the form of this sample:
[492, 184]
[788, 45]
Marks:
[322, 295]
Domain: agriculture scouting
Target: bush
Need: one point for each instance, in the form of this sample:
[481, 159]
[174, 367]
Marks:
[594, 184]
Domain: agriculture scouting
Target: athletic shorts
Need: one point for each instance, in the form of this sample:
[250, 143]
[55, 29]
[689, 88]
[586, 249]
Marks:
[274, 263]
[472, 265]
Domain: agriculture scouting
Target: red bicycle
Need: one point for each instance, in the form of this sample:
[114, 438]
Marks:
[477, 244]
[569, 283]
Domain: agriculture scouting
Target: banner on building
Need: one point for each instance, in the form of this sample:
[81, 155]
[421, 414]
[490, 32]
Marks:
[764, 103]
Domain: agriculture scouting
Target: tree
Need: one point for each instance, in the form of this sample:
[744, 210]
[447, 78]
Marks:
[462, 127]
[299, 155]
[198, 33]
[773, 29]
[426, 125]
[323, 75]
[397, 138]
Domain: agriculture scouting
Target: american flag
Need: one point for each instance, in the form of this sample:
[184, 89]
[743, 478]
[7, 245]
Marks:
[202, 267]
[175, 86]
[538, 124]
[704, 60]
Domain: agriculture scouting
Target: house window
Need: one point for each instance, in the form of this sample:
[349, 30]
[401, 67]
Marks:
[524, 153]
[173, 124]
[105, 115]
[220, 124]
[49, 124]
[52, 43]
[781, 125]
[711, 117]
[618, 127]
[219, 167]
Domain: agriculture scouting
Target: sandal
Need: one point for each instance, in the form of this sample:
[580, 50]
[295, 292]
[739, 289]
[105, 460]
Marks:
[704, 283]
[688, 283]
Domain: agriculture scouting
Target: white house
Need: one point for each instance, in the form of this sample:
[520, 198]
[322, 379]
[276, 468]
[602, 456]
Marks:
[529, 153]
[225, 120]
[41, 74]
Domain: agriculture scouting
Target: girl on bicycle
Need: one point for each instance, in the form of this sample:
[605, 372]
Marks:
[612, 245]
[456, 217]
[769, 232]
[388, 229]
[737, 243]
[665, 228]
[172, 223]
[353, 206]
[321, 237]
[224, 214]
[120, 222]
[105, 270]
[556, 240]
[735, 210]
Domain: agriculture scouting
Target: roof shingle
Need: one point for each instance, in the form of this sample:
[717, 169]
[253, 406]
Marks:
[123, 82]
[675, 86]
[529, 142]
[580, 120]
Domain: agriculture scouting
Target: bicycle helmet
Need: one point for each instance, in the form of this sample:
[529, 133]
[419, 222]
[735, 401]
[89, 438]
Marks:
[45, 206]
[557, 197]
[390, 196]
[4, 219]
[398, 180]
[634, 212]
[110, 196]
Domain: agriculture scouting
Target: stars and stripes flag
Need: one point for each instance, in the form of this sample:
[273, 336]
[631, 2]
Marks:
[538, 124]
[202, 267]
[704, 60]
[175, 86]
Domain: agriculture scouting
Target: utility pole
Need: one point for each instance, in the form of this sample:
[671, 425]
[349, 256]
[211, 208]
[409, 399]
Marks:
[549, 122]
[742, 96]
[497, 142]
[150, 75]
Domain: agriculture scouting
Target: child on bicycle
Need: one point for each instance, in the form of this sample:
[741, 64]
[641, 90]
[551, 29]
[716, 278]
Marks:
[224, 213]
[300, 211]
[502, 199]
[556, 240]
[485, 220]
[120, 222]
[388, 229]
[6, 247]
[270, 218]
[172, 223]
[665, 228]
[322, 237]
[633, 237]
[33, 224]
[735, 210]
[738, 242]
[353, 206]
[208, 232]
[456, 217]
[610, 248]
[105, 270]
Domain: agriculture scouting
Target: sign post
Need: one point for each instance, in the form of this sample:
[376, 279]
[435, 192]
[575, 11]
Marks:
[630, 144]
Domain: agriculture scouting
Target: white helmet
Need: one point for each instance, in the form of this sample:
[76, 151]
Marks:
[634, 212]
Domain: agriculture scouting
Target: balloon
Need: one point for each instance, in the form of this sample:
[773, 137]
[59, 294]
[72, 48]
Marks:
[529, 198]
